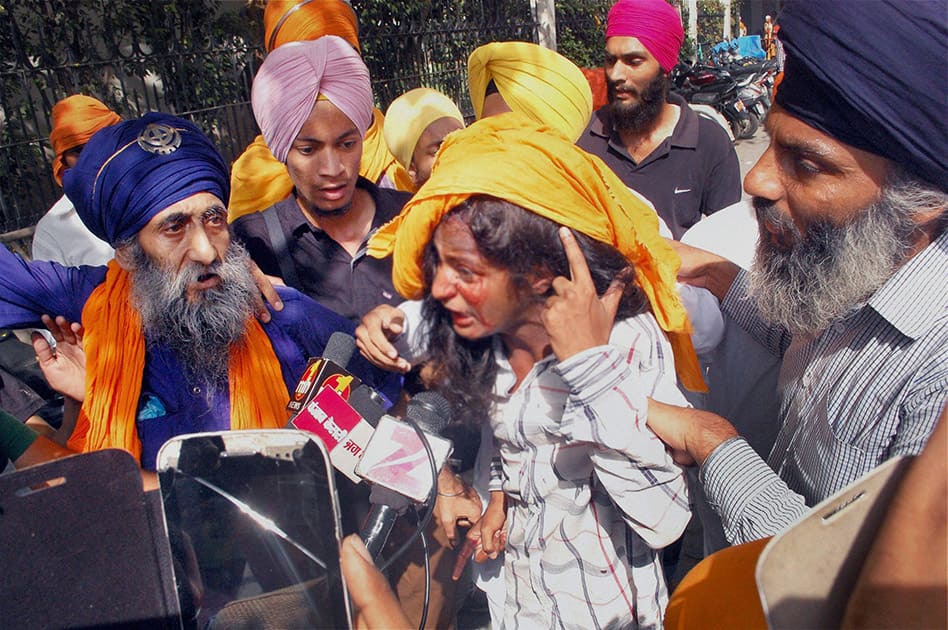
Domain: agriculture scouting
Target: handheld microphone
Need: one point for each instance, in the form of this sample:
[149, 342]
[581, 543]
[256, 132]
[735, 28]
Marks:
[431, 413]
[327, 371]
[321, 402]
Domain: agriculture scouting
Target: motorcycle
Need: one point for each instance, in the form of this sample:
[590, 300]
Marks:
[717, 88]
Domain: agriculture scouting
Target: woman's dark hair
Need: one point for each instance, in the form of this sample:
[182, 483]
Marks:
[525, 244]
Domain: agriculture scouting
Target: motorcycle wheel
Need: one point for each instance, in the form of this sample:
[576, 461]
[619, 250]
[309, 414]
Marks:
[745, 128]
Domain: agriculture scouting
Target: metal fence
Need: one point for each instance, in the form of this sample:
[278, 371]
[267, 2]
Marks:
[206, 79]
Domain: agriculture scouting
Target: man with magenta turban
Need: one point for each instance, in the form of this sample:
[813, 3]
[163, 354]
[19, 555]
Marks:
[172, 345]
[313, 103]
[680, 161]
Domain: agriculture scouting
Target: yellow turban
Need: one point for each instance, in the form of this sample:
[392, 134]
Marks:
[539, 169]
[302, 20]
[258, 180]
[535, 81]
[410, 114]
[75, 119]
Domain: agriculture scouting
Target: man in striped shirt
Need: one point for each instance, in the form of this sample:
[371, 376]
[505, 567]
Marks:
[848, 285]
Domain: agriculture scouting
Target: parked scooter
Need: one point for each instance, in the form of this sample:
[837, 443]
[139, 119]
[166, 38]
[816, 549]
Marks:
[716, 87]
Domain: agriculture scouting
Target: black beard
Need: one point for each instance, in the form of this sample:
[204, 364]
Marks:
[644, 114]
[806, 281]
[200, 333]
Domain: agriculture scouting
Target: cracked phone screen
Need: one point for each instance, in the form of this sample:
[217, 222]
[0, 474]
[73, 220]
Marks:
[252, 520]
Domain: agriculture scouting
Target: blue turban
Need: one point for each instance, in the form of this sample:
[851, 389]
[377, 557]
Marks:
[873, 75]
[129, 172]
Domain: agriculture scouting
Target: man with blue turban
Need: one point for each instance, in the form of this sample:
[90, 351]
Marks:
[171, 340]
[848, 283]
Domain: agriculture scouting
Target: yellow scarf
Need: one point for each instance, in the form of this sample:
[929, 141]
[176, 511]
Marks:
[258, 180]
[539, 169]
[377, 160]
[115, 361]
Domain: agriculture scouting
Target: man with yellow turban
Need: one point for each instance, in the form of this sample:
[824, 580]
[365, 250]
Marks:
[539, 83]
[60, 235]
[553, 339]
[418, 122]
[258, 180]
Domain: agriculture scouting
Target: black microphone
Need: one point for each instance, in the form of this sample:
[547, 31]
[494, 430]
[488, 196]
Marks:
[335, 406]
[431, 413]
[327, 370]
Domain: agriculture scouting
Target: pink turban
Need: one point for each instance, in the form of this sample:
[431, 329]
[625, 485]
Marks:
[295, 74]
[655, 23]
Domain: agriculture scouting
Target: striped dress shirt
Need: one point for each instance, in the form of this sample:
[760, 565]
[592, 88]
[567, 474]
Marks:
[869, 387]
[592, 494]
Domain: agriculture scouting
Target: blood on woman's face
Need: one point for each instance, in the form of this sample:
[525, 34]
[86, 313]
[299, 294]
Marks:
[480, 296]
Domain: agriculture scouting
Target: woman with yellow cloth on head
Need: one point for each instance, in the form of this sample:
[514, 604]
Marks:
[551, 317]
[258, 180]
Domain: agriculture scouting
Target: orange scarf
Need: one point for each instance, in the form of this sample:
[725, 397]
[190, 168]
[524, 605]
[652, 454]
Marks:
[302, 20]
[537, 168]
[115, 361]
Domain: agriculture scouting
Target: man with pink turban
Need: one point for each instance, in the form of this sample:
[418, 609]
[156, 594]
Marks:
[681, 161]
[313, 103]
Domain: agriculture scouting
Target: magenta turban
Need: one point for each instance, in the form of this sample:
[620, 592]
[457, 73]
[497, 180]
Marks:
[293, 75]
[655, 23]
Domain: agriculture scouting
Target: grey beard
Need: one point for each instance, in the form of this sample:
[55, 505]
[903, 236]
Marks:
[203, 333]
[831, 269]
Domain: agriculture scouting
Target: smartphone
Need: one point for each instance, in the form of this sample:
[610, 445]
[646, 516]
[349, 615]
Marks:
[252, 519]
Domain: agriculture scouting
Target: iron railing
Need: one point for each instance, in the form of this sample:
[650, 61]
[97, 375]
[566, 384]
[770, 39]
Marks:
[207, 81]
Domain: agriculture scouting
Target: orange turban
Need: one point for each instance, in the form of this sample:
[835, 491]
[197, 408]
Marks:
[302, 20]
[75, 120]
[539, 169]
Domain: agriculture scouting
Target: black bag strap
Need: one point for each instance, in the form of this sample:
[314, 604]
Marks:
[280, 250]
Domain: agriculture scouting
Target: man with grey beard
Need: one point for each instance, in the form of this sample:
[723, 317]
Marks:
[848, 283]
[682, 162]
[171, 341]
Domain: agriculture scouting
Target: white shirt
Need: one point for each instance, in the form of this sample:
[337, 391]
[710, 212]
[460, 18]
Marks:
[567, 413]
[592, 493]
[741, 373]
[61, 236]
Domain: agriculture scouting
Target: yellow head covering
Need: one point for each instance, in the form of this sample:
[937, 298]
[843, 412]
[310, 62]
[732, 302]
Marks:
[535, 81]
[302, 20]
[539, 169]
[410, 114]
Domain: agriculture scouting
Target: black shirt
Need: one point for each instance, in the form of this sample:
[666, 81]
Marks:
[350, 286]
[695, 171]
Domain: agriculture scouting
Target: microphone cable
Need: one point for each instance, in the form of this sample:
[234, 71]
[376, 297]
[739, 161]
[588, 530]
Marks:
[425, 520]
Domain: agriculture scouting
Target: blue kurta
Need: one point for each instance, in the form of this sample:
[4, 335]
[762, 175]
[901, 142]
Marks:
[170, 405]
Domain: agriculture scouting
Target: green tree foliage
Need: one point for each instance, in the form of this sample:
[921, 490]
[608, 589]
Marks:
[581, 30]
[180, 56]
